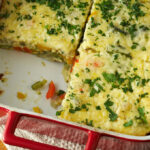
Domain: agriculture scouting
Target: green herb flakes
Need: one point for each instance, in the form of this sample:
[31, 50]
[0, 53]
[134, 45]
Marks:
[60, 92]
[58, 113]
[112, 115]
[98, 107]
[128, 124]
[142, 117]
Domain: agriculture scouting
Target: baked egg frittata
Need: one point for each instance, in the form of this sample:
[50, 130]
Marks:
[122, 23]
[110, 83]
[110, 93]
[47, 28]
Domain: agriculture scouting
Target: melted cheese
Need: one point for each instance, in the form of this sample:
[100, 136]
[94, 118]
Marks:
[43, 28]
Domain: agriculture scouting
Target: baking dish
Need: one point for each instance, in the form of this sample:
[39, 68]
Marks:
[21, 71]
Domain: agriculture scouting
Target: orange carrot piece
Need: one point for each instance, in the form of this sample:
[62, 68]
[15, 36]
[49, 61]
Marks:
[51, 90]
[27, 50]
[75, 61]
[96, 64]
[18, 48]
[62, 96]
[24, 49]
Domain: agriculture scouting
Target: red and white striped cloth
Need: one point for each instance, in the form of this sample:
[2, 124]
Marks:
[65, 137]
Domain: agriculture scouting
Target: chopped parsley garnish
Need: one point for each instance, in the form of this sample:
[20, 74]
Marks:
[144, 81]
[82, 5]
[143, 48]
[128, 124]
[69, 3]
[60, 92]
[136, 10]
[94, 86]
[142, 117]
[116, 56]
[106, 7]
[144, 28]
[27, 17]
[132, 31]
[58, 113]
[56, 5]
[84, 106]
[124, 23]
[109, 77]
[124, 83]
[93, 23]
[87, 69]
[134, 45]
[71, 110]
[98, 107]
[72, 95]
[143, 95]
[11, 31]
[77, 74]
[53, 4]
[52, 31]
[112, 115]
[127, 3]
[33, 6]
[20, 17]
[78, 108]
[72, 41]
[90, 82]
[2, 27]
[115, 79]
[101, 32]
[60, 14]
[89, 123]
[4, 15]
[15, 6]
[72, 29]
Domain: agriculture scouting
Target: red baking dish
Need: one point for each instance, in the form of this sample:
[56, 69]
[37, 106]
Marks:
[17, 80]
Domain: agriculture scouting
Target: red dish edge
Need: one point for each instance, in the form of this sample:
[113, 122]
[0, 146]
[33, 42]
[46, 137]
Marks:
[13, 118]
[10, 138]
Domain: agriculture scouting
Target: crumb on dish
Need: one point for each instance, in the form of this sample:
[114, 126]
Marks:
[1, 92]
[21, 96]
[1, 76]
[37, 110]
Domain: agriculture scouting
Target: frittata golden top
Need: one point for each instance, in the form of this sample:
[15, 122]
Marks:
[110, 93]
[120, 23]
[43, 26]
[110, 82]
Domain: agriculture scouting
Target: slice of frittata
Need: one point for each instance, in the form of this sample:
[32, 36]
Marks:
[109, 91]
[123, 24]
[47, 28]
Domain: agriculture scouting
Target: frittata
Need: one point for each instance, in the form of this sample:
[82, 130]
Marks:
[47, 28]
[110, 92]
[122, 24]
[110, 82]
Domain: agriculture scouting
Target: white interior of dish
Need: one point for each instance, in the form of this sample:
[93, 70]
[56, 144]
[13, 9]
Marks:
[22, 71]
